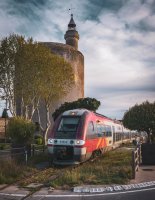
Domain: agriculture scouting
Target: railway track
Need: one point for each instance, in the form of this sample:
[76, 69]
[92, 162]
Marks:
[52, 174]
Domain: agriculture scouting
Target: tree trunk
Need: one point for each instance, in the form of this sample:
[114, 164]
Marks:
[48, 123]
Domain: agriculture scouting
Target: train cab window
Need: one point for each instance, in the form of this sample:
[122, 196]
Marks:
[68, 124]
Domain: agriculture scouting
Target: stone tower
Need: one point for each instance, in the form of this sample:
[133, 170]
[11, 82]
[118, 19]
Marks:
[72, 35]
[70, 53]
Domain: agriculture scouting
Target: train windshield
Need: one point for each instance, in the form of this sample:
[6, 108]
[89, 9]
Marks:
[67, 127]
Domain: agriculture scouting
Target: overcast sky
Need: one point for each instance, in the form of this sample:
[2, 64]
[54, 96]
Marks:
[117, 39]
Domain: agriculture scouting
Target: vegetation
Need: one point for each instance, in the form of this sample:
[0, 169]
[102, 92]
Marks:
[8, 49]
[87, 103]
[30, 76]
[141, 117]
[113, 168]
[11, 171]
[20, 130]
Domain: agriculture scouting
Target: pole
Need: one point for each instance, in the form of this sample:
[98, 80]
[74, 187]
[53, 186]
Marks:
[133, 165]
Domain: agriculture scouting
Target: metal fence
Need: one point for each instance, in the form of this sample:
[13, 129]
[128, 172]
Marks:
[22, 153]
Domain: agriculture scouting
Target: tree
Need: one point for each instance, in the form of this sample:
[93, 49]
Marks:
[87, 103]
[141, 117]
[8, 49]
[37, 77]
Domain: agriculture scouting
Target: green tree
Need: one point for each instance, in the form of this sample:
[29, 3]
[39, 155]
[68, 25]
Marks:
[8, 49]
[141, 117]
[87, 103]
[37, 77]
[43, 78]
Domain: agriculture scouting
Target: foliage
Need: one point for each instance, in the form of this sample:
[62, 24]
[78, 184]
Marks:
[8, 49]
[141, 117]
[5, 114]
[5, 146]
[38, 139]
[87, 103]
[31, 75]
[12, 171]
[20, 130]
[112, 168]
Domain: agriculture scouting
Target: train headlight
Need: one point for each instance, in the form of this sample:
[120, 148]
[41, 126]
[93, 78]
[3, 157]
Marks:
[80, 142]
[50, 141]
[77, 141]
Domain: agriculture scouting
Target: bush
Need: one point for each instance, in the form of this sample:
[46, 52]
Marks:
[38, 139]
[20, 131]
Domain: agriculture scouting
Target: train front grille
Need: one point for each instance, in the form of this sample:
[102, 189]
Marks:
[63, 153]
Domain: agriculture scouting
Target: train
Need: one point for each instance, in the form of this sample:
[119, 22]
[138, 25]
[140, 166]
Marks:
[80, 134]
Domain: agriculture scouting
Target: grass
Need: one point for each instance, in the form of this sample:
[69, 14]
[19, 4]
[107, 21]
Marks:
[11, 171]
[5, 146]
[112, 168]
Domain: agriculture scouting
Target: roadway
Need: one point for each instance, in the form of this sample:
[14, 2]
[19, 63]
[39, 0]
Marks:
[142, 194]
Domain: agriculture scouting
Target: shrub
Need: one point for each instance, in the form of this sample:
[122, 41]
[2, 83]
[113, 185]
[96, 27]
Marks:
[20, 130]
[38, 139]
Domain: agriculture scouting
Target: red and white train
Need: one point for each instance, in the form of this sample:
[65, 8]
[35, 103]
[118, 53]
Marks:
[79, 134]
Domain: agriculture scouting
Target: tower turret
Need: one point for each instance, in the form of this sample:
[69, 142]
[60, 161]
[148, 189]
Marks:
[72, 35]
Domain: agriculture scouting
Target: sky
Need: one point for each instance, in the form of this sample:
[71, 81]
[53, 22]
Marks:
[117, 39]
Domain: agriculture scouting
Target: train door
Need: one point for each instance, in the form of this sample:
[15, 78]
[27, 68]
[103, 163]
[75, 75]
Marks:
[90, 135]
[114, 134]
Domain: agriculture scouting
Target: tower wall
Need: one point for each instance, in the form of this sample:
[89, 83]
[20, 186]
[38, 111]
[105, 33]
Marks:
[72, 38]
[76, 59]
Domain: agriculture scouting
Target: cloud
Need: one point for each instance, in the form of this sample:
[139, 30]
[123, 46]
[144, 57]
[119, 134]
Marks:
[116, 38]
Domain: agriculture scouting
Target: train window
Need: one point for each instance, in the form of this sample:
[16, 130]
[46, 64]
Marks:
[108, 131]
[90, 129]
[68, 124]
[103, 130]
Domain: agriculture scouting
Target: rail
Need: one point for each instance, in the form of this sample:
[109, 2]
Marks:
[136, 160]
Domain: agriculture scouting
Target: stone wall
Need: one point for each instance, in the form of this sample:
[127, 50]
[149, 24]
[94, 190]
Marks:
[76, 59]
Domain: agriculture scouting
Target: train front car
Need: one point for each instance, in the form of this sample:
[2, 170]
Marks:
[66, 141]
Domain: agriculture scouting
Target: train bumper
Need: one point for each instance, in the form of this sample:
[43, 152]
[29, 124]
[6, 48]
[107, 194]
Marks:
[67, 155]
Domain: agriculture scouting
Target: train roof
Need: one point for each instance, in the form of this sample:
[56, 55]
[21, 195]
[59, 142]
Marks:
[81, 111]
[76, 112]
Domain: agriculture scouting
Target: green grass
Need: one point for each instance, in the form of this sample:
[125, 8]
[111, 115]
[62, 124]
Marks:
[5, 146]
[112, 168]
[11, 171]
